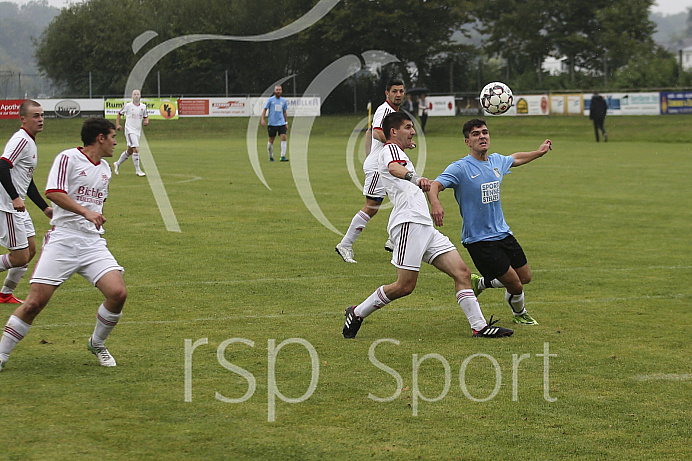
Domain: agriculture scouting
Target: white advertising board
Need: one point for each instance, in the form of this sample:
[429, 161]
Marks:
[440, 106]
[297, 107]
[72, 108]
[628, 103]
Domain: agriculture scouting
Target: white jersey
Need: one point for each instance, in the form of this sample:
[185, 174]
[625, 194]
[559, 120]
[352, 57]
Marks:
[22, 154]
[371, 161]
[408, 199]
[84, 182]
[133, 117]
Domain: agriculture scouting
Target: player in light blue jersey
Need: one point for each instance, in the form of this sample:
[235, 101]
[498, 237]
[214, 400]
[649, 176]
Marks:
[476, 180]
[276, 110]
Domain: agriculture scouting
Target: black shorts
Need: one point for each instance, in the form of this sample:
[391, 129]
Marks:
[273, 129]
[493, 258]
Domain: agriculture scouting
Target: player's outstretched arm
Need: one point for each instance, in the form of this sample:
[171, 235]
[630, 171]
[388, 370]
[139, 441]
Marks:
[436, 210]
[522, 158]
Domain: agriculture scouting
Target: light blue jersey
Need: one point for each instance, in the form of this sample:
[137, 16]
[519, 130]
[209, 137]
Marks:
[275, 111]
[476, 187]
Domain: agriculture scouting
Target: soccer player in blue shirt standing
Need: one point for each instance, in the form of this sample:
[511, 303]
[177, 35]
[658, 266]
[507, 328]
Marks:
[276, 108]
[476, 181]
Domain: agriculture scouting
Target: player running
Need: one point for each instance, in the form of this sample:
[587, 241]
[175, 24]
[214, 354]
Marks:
[17, 166]
[135, 113]
[373, 189]
[78, 187]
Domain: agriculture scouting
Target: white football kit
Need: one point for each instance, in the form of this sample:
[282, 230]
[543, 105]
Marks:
[372, 185]
[134, 114]
[16, 226]
[410, 225]
[75, 245]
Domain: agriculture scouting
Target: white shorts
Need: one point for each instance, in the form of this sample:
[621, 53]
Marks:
[66, 252]
[132, 139]
[15, 230]
[373, 185]
[414, 243]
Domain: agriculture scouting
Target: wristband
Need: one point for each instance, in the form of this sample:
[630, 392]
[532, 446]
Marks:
[413, 177]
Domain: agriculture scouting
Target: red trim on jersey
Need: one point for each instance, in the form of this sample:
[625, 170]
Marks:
[394, 151]
[17, 150]
[95, 164]
[62, 173]
[377, 128]
[55, 190]
[8, 161]
[27, 132]
[396, 108]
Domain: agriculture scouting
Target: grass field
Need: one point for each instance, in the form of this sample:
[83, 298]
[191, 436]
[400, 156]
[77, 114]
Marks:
[606, 228]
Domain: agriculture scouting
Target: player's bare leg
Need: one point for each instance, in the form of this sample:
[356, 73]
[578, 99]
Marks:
[20, 321]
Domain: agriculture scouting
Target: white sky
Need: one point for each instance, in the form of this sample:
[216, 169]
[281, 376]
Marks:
[661, 6]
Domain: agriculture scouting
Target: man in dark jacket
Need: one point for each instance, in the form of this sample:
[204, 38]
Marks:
[597, 113]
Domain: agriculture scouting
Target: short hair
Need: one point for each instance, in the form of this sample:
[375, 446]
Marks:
[24, 107]
[393, 120]
[93, 127]
[394, 81]
[471, 124]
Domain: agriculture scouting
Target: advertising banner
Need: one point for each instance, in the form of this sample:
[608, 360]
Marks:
[9, 108]
[530, 105]
[157, 109]
[297, 107]
[628, 103]
[575, 104]
[440, 106]
[72, 108]
[676, 102]
[566, 104]
[213, 107]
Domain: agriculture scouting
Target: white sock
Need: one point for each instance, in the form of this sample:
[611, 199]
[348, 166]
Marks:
[270, 149]
[469, 304]
[358, 223]
[485, 283]
[5, 263]
[15, 330]
[283, 148]
[135, 160]
[122, 158]
[516, 302]
[14, 276]
[372, 303]
[105, 322]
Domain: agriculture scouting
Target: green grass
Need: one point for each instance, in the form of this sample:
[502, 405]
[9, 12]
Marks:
[606, 231]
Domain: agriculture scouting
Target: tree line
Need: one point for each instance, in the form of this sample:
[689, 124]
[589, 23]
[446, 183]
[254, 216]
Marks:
[444, 45]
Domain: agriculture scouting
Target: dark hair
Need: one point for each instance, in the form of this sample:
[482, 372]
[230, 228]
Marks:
[24, 107]
[471, 124]
[93, 127]
[393, 120]
[394, 81]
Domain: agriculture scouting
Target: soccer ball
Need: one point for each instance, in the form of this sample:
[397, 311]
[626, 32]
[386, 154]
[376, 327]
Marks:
[496, 98]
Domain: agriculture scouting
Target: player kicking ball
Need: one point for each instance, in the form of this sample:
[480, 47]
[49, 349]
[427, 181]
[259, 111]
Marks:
[415, 238]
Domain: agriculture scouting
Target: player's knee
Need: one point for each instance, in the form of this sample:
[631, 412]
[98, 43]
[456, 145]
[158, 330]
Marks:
[118, 296]
[21, 258]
